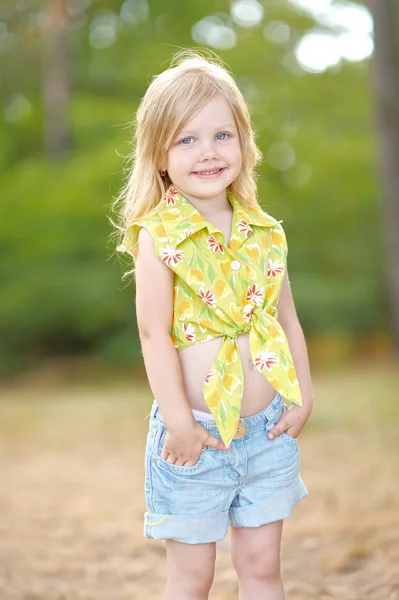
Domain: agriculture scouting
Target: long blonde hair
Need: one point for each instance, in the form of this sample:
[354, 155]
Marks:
[173, 98]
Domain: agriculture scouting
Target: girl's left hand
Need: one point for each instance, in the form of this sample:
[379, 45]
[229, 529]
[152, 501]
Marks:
[292, 422]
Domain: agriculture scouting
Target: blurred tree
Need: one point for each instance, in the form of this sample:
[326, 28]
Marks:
[55, 79]
[386, 90]
[314, 127]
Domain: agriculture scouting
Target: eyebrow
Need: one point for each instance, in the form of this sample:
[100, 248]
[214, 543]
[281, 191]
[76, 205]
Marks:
[190, 131]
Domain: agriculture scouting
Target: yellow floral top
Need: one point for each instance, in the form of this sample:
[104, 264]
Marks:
[224, 290]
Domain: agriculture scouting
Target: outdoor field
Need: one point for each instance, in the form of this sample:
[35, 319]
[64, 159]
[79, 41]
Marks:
[72, 500]
[289, 106]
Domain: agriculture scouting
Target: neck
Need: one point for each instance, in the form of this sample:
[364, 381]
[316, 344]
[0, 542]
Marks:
[208, 206]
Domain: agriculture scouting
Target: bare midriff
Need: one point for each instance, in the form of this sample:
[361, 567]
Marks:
[196, 361]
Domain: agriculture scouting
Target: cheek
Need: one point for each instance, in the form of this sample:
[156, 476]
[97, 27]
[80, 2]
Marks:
[234, 148]
[236, 155]
[176, 160]
[171, 162]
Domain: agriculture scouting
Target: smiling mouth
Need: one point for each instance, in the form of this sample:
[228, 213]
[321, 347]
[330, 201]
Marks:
[209, 172]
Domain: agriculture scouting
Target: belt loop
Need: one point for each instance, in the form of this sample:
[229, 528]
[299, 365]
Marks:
[154, 409]
[269, 411]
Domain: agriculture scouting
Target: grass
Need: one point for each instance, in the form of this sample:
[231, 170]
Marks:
[72, 500]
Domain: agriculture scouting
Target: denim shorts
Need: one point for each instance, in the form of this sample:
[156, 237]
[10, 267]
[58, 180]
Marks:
[256, 482]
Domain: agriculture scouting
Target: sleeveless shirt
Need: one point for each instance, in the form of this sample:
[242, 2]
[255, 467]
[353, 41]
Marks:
[224, 290]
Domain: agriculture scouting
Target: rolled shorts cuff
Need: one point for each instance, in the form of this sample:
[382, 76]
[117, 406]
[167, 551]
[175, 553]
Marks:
[186, 528]
[272, 509]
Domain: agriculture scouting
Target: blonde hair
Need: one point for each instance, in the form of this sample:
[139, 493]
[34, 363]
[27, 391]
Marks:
[173, 98]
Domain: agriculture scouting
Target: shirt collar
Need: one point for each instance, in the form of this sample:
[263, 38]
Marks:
[182, 220]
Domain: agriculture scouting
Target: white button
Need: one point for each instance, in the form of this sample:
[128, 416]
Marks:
[235, 265]
[248, 308]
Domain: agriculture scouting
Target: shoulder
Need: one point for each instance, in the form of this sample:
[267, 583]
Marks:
[253, 213]
[264, 218]
[151, 222]
[271, 225]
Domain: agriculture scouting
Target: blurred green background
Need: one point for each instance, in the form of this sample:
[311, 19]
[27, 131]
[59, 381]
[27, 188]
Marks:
[321, 77]
[72, 75]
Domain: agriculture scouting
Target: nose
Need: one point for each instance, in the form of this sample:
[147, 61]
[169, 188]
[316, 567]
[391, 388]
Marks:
[209, 150]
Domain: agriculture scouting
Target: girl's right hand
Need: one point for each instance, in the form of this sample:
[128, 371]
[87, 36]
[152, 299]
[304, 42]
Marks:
[184, 447]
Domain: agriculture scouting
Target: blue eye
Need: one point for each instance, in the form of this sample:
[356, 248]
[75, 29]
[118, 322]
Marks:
[222, 138]
[185, 139]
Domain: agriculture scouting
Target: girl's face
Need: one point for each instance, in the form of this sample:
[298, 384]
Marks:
[205, 156]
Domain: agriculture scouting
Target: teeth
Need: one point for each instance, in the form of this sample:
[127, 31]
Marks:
[207, 172]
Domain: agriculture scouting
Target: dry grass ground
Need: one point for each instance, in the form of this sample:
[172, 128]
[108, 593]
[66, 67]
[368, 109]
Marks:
[71, 497]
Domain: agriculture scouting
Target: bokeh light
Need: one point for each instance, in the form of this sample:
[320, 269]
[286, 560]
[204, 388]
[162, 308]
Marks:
[347, 35]
[213, 32]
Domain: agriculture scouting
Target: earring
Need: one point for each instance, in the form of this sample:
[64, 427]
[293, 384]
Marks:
[163, 173]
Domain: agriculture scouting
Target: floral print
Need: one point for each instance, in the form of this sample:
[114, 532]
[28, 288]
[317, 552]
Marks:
[266, 360]
[189, 332]
[215, 246]
[248, 313]
[255, 294]
[207, 297]
[208, 378]
[184, 310]
[171, 256]
[274, 267]
[171, 196]
[244, 227]
[224, 290]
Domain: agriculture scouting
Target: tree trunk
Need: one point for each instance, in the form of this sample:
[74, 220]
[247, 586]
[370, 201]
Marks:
[55, 80]
[386, 101]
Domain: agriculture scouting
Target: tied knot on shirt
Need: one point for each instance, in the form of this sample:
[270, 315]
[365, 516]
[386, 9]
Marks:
[224, 289]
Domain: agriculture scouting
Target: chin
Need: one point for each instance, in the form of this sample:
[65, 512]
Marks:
[206, 191]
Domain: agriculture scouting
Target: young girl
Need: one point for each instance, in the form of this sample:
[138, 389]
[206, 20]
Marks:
[221, 341]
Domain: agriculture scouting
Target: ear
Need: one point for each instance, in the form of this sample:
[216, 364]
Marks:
[163, 170]
[163, 166]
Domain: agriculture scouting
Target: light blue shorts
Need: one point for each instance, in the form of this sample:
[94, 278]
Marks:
[256, 482]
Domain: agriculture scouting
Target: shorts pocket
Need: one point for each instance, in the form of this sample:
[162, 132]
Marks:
[172, 468]
[275, 417]
[289, 439]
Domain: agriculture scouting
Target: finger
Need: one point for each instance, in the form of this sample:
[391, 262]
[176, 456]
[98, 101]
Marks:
[189, 463]
[290, 433]
[168, 456]
[277, 430]
[215, 443]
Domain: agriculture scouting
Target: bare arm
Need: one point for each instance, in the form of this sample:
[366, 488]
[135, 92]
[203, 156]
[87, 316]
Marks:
[293, 421]
[289, 321]
[154, 306]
